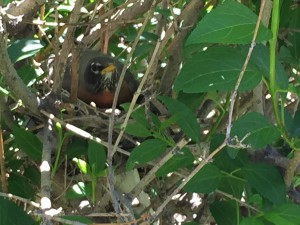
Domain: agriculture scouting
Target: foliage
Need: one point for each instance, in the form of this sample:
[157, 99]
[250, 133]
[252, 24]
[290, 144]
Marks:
[200, 145]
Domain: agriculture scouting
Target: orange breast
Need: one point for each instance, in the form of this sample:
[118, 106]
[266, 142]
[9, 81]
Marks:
[105, 98]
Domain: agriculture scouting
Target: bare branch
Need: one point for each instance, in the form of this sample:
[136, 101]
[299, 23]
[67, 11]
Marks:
[189, 17]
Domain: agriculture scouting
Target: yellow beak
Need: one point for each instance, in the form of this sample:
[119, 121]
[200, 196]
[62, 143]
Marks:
[108, 69]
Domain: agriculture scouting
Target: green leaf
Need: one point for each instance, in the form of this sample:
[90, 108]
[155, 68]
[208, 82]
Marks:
[251, 221]
[260, 57]
[28, 143]
[223, 161]
[20, 185]
[225, 212]
[76, 148]
[11, 214]
[76, 191]
[294, 39]
[233, 185]
[205, 181]
[192, 100]
[27, 74]
[229, 23]
[284, 214]
[255, 200]
[185, 117]
[260, 131]
[33, 174]
[181, 159]
[266, 180]
[82, 165]
[137, 114]
[97, 157]
[24, 48]
[277, 219]
[138, 130]
[146, 152]
[143, 49]
[216, 69]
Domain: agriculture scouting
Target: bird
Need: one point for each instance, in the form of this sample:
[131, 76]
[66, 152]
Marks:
[98, 77]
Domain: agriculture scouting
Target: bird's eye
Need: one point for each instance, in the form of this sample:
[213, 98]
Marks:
[96, 67]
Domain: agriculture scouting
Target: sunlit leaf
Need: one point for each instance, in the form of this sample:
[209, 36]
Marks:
[97, 157]
[216, 69]
[229, 23]
[76, 191]
[24, 48]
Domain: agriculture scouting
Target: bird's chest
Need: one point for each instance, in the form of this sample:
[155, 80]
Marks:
[98, 85]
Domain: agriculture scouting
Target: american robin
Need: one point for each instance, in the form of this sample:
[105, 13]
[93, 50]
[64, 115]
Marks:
[98, 79]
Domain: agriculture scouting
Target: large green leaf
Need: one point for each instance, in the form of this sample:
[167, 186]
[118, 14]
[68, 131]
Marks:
[284, 214]
[182, 159]
[146, 152]
[216, 69]
[260, 131]
[97, 157]
[229, 23]
[265, 179]
[137, 129]
[232, 185]
[11, 214]
[184, 117]
[76, 148]
[20, 185]
[251, 221]
[205, 181]
[225, 212]
[260, 57]
[28, 143]
[24, 48]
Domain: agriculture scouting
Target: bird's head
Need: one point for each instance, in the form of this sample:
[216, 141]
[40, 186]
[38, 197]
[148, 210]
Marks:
[102, 76]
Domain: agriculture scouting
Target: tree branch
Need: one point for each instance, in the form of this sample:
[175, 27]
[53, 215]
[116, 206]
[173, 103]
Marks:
[189, 17]
[26, 9]
[11, 78]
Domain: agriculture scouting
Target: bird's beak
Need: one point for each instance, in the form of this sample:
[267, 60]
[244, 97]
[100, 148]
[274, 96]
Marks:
[110, 68]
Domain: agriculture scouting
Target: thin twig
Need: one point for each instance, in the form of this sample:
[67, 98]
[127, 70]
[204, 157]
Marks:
[241, 75]
[2, 162]
[186, 180]
[111, 125]
[26, 201]
[239, 201]
[111, 149]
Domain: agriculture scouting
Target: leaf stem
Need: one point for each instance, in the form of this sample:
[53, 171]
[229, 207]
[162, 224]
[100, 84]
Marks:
[272, 86]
